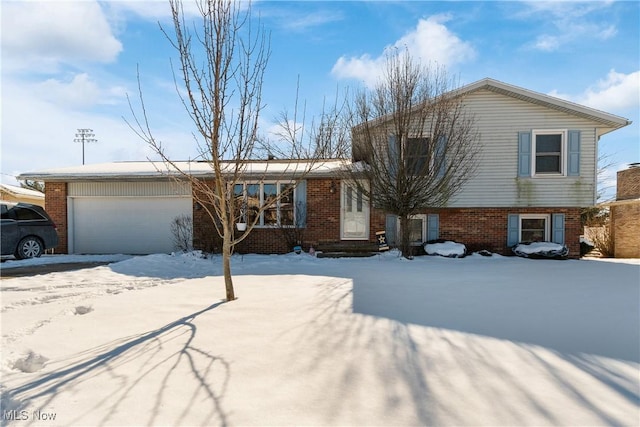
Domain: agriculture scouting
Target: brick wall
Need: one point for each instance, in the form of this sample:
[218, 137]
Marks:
[625, 223]
[486, 228]
[481, 228]
[56, 207]
[625, 214]
[628, 186]
[323, 224]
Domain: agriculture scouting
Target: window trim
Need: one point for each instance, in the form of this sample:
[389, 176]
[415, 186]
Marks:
[563, 152]
[278, 184]
[547, 225]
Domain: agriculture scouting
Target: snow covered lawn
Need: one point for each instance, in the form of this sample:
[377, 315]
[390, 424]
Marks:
[375, 341]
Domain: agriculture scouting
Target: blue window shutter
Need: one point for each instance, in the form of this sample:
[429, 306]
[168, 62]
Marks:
[391, 227]
[524, 153]
[433, 227]
[394, 156]
[440, 155]
[301, 204]
[573, 157]
[557, 227]
[513, 229]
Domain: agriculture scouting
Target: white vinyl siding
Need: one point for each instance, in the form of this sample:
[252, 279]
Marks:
[499, 119]
[129, 189]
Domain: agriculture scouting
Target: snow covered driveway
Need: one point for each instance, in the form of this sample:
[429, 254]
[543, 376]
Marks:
[379, 341]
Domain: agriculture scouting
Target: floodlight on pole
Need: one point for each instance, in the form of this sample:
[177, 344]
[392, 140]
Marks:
[85, 135]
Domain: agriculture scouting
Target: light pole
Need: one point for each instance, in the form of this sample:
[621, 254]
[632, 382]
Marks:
[85, 135]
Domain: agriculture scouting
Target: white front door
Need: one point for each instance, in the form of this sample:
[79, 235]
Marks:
[354, 214]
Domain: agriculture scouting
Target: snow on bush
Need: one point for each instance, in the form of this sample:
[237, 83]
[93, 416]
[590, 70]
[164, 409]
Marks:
[445, 248]
[30, 363]
[541, 250]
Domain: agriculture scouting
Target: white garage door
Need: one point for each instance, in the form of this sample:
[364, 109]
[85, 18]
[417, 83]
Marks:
[129, 225]
[125, 225]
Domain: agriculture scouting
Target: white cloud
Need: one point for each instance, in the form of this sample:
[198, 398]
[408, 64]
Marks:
[159, 10]
[46, 33]
[38, 131]
[430, 42]
[616, 92]
[547, 43]
[570, 22]
[80, 91]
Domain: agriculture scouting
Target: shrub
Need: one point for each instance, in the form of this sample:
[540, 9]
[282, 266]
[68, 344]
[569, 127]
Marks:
[182, 231]
[603, 240]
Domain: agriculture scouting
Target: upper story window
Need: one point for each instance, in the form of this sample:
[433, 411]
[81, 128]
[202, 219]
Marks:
[548, 152]
[416, 155]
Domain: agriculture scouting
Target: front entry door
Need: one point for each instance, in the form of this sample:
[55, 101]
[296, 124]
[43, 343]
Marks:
[354, 214]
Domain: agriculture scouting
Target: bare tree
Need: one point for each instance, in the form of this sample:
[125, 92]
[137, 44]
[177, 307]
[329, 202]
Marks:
[32, 185]
[222, 65]
[413, 143]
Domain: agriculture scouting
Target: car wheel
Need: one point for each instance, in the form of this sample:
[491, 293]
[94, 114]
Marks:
[29, 247]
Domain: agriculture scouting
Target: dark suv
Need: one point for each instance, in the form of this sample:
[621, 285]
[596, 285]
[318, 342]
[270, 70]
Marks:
[26, 230]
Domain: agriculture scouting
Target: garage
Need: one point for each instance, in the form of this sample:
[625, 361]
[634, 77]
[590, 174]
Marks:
[125, 217]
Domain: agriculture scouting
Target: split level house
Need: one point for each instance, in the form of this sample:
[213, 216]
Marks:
[536, 169]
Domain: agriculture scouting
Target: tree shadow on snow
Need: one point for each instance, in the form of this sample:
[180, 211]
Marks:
[151, 351]
[563, 311]
[549, 336]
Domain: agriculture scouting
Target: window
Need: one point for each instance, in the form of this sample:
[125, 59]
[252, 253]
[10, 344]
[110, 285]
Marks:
[287, 211]
[548, 152]
[416, 155]
[534, 228]
[24, 214]
[264, 195]
[5, 211]
[417, 229]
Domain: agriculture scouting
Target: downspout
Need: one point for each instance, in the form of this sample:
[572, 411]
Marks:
[596, 137]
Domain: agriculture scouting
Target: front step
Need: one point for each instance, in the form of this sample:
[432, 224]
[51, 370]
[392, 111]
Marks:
[344, 254]
[346, 249]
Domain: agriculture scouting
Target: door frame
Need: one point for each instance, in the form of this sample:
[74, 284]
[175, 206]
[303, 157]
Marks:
[366, 211]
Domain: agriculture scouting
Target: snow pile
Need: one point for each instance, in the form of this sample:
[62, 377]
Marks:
[541, 250]
[446, 248]
[32, 362]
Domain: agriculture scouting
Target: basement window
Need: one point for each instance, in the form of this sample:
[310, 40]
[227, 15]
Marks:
[534, 228]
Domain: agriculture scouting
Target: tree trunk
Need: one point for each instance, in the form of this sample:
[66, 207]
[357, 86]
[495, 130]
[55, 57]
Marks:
[405, 234]
[226, 262]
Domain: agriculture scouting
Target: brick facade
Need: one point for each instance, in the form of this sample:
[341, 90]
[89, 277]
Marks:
[486, 228]
[323, 224]
[628, 184]
[625, 214]
[56, 206]
[477, 228]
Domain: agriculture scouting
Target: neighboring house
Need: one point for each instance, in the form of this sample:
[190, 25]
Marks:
[12, 193]
[537, 168]
[625, 214]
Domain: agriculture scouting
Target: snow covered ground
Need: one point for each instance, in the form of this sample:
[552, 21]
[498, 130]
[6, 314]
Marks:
[375, 341]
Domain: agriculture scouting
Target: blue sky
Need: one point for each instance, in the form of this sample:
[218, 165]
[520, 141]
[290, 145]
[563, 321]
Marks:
[69, 65]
